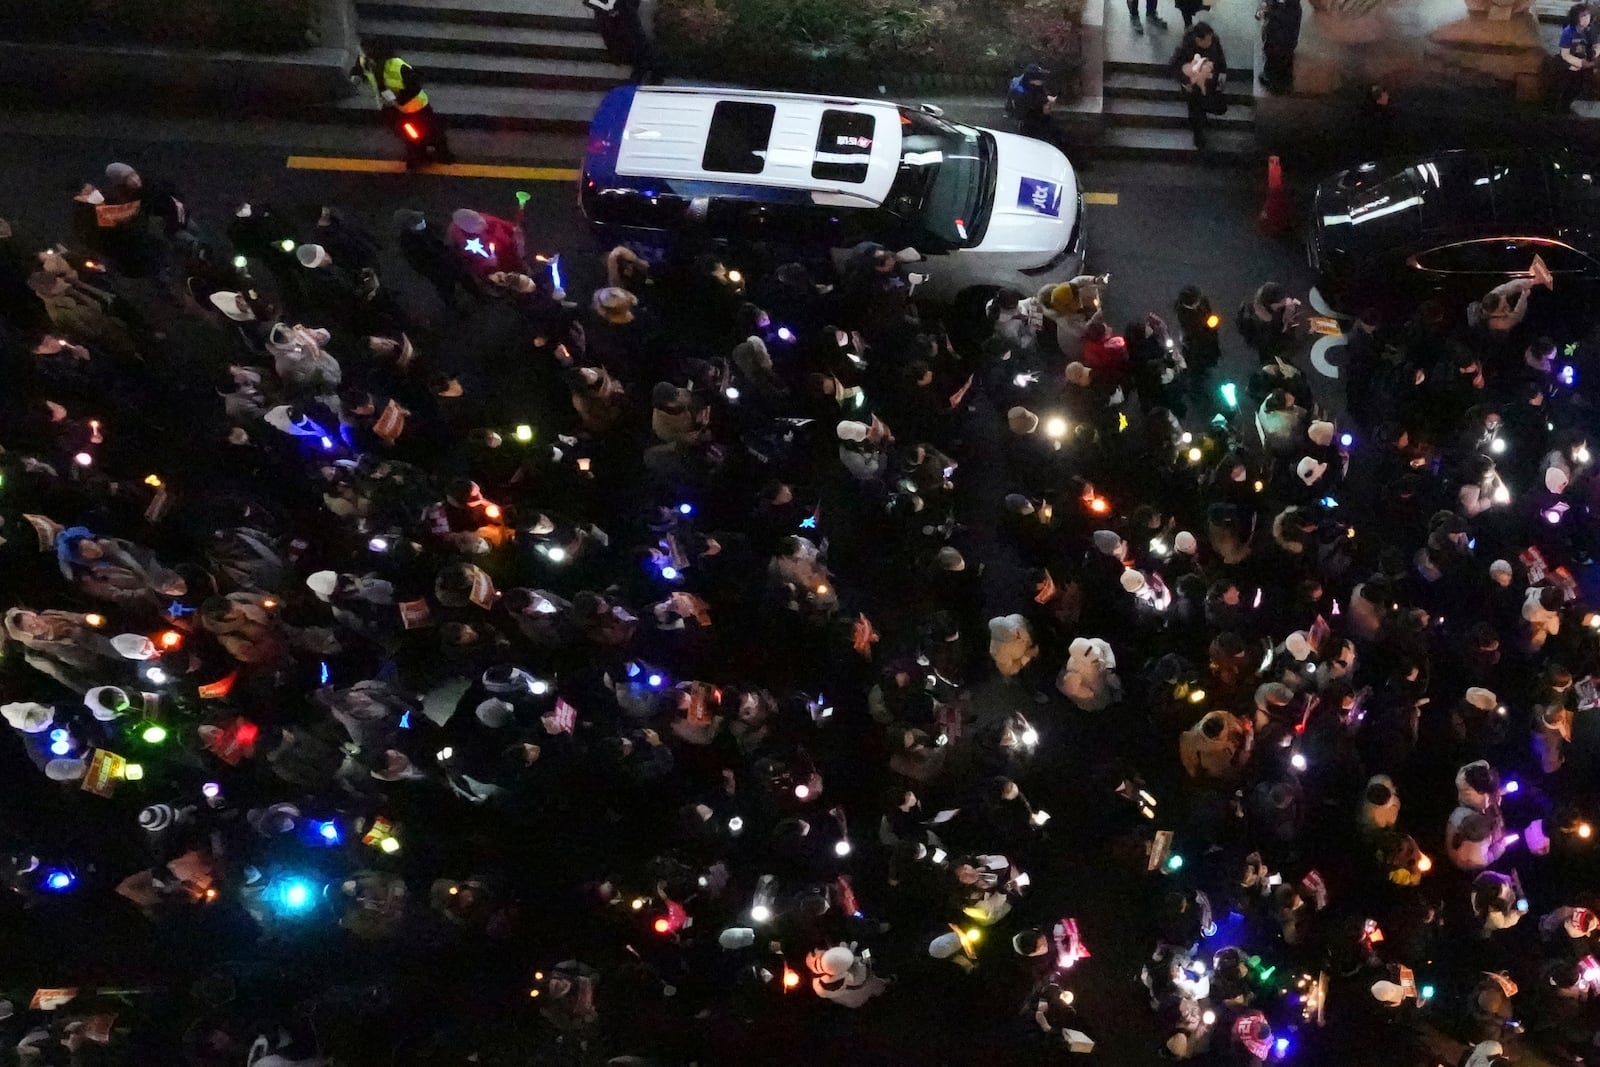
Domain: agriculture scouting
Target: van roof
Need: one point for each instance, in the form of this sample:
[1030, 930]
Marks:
[757, 138]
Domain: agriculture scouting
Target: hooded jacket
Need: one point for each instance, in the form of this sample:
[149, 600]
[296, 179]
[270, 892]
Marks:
[1089, 679]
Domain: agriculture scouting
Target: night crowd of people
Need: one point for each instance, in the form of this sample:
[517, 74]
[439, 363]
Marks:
[745, 663]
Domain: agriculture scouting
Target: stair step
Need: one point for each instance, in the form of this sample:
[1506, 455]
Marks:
[1132, 142]
[407, 35]
[491, 107]
[1153, 87]
[1169, 114]
[551, 14]
[1141, 66]
[465, 68]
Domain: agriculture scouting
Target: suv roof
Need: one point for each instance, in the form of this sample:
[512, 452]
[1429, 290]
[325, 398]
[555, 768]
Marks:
[842, 150]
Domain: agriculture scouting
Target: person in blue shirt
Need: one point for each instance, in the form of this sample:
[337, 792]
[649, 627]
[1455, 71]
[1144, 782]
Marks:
[1577, 56]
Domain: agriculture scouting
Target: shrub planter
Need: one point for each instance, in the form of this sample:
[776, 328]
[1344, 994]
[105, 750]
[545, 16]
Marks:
[897, 48]
[84, 69]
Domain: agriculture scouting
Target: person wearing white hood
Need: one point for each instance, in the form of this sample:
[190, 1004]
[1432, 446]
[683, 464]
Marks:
[1380, 805]
[1541, 610]
[860, 457]
[1216, 748]
[1011, 644]
[844, 976]
[1090, 679]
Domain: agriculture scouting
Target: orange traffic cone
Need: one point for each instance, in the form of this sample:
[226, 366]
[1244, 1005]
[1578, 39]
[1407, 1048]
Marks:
[1276, 218]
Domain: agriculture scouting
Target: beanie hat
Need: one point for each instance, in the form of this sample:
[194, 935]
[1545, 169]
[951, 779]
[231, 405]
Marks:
[65, 770]
[1185, 543]
[736, 937]
[157, 817]
[118, 172]
[134, 646]
[1021, 420]
[468, 221]
[1499, 567]
[1321, 433]
[836, 962]
[494, 713]
[1298, 645]
[322, 583]
[105, 702]
[1107, 541]
[1555, 480]
[28, 716]
[1077, 373]
[1308, 470]
[312, 256]
[851, 431]
[1132, 581]
[1063, 299]
[950, 559]
[1018, 504]
[1482, 699]
[1388, 993]
[1273, 694]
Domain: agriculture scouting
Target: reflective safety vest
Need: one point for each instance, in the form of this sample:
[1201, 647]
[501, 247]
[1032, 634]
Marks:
[394, 81]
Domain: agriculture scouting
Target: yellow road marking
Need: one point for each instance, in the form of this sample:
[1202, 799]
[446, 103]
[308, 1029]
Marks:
[452, 170]
[1105, 199]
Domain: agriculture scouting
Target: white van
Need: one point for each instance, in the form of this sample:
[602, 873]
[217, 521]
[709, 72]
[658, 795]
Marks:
[984, 208]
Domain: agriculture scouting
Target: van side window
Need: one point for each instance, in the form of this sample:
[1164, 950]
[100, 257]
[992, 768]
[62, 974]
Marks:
[737, 140]
[844, 146]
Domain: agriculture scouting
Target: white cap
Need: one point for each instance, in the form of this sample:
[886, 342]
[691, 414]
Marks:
[134, 646]
[1388, 993]
[1555, 480]
[736, 937]
[322, 583]
[849, 430]
[1298, 645]
[233, 306]
[28, 716]
[494, 713]
[312, 256]
[65, 770]
[1185, 542]
[1132, 581]
[1481, 698]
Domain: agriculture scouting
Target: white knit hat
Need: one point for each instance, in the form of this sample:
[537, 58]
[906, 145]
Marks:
[28, 716]
[1298, 645]
[1388, 993]
[849, 430]
[323, 583]
[1321, 433]
[312, 256]
[1185, 543]
[1132, 581]
[1555, 480]
[1481, 698]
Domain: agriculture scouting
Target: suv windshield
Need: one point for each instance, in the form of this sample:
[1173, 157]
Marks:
[945, 179]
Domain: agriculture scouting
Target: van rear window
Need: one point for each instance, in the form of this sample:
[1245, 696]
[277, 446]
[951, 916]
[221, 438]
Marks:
[844, 146]
[737, 140]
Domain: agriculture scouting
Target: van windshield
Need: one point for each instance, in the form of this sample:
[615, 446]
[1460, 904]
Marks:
[945, 180]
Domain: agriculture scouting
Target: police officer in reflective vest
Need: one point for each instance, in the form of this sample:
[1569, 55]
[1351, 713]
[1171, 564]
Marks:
[405, 105]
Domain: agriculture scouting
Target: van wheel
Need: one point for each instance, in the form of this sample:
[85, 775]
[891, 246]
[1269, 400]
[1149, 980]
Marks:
[965, 319]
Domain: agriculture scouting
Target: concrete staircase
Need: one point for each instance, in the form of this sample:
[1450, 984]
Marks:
[495, 64]
[1146, 118]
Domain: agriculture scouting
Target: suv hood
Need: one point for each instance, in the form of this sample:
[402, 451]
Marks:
[1035, 200]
